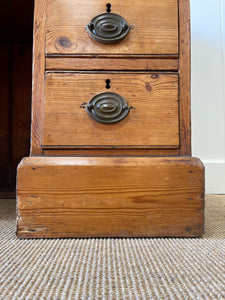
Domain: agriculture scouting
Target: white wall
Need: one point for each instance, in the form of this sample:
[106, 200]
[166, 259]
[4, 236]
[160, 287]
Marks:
[208, 89]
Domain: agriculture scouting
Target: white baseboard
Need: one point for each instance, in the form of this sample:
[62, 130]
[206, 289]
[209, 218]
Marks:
[214, 177]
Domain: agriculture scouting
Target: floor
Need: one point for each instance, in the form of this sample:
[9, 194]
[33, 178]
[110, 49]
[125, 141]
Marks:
[114, 268]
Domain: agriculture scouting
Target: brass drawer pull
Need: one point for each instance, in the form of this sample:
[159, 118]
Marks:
[108, 28]
[107, 108]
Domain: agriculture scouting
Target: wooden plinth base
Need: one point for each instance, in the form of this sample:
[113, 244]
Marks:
[110, 197]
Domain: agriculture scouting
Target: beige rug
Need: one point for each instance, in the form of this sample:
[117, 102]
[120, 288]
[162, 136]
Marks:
[114, 268]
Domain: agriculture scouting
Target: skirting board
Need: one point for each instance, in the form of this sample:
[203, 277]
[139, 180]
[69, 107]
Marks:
[215, 177]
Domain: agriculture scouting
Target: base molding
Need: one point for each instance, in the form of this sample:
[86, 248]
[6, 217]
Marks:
[110, 197]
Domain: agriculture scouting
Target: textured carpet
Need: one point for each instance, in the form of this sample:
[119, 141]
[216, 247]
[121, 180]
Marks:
[114, 268]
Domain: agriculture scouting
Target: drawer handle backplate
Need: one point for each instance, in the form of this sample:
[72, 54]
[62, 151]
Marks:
[107, 108]
[108, 28]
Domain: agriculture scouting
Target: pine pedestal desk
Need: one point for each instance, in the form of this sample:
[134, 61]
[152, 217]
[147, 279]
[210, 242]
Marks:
[111, 134]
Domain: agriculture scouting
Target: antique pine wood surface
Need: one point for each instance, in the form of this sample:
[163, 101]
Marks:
[185, 77]
[108, 196]
[38, 69]
[38, 77]
[112, 151]
[101, 191]
[152, 121]
[154, 27]
[74, 63]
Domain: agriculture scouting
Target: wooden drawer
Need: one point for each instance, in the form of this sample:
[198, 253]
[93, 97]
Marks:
[152, 121]
[154, 27]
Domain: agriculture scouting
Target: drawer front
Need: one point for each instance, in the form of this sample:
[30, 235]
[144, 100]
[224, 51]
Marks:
[151, 122]
[154, 27]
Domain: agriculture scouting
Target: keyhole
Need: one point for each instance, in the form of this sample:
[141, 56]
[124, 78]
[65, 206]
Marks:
[108, 5]
[108, 86]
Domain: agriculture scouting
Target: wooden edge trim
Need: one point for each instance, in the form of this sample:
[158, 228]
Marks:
[40, 161]
[133, 72]
[98, 147]
[118, 56]
[38, 77]
[185, 77]
[148, 64]
[111, 152]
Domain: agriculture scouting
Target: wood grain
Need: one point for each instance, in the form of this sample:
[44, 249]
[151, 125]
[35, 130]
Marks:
[90, 195]
[152, 121]
[148, 64]
[108, 196]
[154, 27]
[38, 77]
[103, 151]
[185, 77]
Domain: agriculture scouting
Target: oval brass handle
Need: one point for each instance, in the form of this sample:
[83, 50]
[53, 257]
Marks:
[107, 108]
[108, 28]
